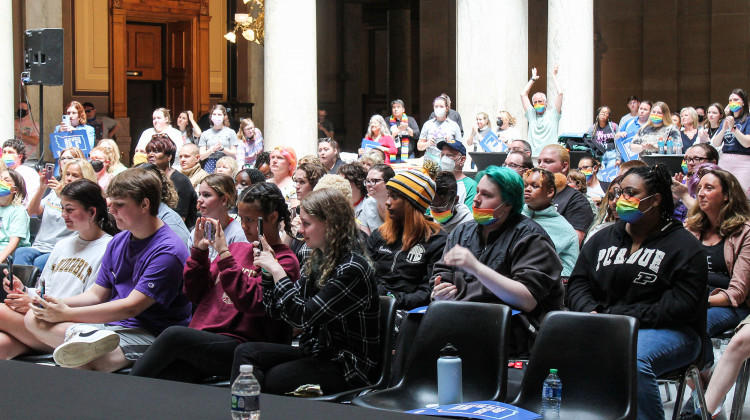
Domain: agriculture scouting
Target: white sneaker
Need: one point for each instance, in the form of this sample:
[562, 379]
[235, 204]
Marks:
[84, 343]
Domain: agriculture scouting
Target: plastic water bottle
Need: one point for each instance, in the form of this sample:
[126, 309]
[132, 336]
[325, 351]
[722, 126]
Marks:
[670, 147]
[246, 395]
[660, 144]
[551, 396]
[450, 388]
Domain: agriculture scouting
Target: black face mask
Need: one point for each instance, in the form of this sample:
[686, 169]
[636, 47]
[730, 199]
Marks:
[701, 118]
[499, 122]
[22, 113]
[97, 165]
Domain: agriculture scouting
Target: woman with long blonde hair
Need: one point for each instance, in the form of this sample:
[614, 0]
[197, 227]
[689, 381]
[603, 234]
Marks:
[335, 303]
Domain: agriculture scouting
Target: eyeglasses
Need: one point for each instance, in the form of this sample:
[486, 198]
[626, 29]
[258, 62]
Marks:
[369, 182]
[696, 159]
[66, 158]
[614, 194]
[627, 193]
[512, 166]
[441, 208]
[585, 168]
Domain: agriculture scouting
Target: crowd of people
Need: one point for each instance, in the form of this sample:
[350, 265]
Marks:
[213, 251]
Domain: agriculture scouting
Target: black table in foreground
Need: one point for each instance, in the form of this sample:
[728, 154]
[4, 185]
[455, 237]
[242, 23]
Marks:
[29, 391]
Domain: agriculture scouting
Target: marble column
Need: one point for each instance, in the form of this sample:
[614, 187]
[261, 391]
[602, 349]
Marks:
[491, 59]
[570, 43]
[46, 14]
[399, 52]
[7, 77]
[290, 73]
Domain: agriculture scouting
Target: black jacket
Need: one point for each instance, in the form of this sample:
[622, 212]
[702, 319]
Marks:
[662, 284]
[405, 274]
[520, 250]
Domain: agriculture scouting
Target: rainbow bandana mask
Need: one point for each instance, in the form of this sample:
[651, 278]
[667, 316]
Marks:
[589, 173]
[655, 119]
[627, 208]
[684, 167]
[442, 216]
[734, 106]
[10, 160]
[5, 188]
[539, 108]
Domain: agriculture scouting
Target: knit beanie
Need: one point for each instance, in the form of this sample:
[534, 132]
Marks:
[416, 186]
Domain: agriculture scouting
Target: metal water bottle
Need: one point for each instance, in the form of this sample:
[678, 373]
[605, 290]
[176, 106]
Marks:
[450, 389]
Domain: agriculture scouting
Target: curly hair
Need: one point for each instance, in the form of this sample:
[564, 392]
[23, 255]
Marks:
[732, 215]
[657, 180]
[168, 192]
[355, 173]
[268, 198]
[313, 172]
[548, 178]
[342, 237]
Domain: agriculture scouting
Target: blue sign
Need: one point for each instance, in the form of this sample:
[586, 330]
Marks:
[64, 139]
[370, 144]
[490, 410]
[490, 143]
[623, 146]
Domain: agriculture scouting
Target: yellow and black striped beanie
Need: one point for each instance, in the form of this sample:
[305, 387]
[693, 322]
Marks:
[416, 186]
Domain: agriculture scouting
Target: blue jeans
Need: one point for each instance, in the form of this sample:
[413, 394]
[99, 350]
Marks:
[720, 319]
[30, 256]
[661, 351]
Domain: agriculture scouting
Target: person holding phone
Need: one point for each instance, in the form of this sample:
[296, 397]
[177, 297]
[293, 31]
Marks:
[217, 195]
[73, 264]
[53, 227]
[734, 139]
[226, 294]
[335, 303]
[75, 119]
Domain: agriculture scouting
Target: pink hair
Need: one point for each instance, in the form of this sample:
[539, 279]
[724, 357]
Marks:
[289, 155]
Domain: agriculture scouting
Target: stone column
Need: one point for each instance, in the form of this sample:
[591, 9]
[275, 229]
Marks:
[7, 77]
[491, 59]
[290, 86]
[570, 43]
[399, 52]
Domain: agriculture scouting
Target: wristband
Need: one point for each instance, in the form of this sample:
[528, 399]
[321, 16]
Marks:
[223, 252]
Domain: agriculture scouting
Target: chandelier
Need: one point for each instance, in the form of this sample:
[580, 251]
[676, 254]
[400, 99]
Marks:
[249, 24]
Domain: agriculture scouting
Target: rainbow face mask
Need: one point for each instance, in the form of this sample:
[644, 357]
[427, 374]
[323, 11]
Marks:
[734, 106]
[10, 160]
[684, 167]
[442, 216]
[6, 188]
[627, 208]
[655, 119]
[589, 173]
[484, 216]
[539, 108]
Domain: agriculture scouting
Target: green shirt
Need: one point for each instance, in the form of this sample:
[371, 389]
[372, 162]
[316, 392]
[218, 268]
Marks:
[14, 222]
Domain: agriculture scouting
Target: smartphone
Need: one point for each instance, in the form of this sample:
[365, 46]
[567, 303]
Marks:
[49, 171]
[42, 290]
[66, 119]
[260, 233]
[10, 271]
[210, 233]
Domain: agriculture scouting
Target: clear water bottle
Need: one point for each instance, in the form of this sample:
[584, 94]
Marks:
[246, 395]
[551, 396]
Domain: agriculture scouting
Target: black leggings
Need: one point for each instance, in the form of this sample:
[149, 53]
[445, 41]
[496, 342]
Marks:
[187, 355]
[280, 368]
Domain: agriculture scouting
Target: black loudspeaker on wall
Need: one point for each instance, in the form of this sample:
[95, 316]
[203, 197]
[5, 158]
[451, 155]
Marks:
[44, 56]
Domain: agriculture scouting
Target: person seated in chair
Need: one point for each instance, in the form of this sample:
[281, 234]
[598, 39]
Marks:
[137, 294]
[405, 248]
[502, 257]
[649, 267]
[446, 208]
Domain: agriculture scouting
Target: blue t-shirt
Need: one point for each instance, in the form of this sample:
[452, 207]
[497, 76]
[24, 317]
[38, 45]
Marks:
[731, 145]
[152, 266]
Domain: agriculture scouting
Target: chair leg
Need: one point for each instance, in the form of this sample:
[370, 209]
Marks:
[740, 389]
[695, 375]
[678, 398]
[666, 390]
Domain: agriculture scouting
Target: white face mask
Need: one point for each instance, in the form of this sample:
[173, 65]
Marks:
[447, 164]
[217, 120]
[440, 112]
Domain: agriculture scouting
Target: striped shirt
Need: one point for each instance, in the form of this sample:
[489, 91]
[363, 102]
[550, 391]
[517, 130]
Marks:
[339, 321]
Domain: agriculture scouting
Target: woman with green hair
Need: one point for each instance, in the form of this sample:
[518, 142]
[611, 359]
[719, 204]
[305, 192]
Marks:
[502, 257]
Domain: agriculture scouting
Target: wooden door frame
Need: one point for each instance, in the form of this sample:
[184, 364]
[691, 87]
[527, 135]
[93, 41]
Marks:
[158, 11]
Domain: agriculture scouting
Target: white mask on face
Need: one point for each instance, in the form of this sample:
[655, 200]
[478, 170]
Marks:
[217, 120]
[440, 112]
[447, 164]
